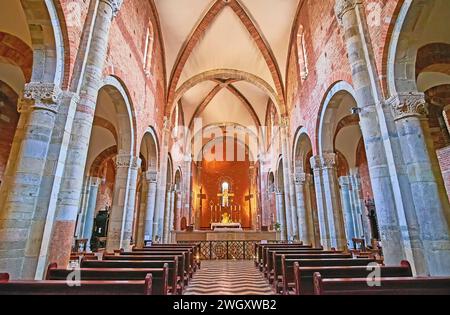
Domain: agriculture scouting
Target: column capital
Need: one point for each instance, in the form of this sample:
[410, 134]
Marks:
[343, 6]
[115, 5]
[329, 160]
[95, 181]
[151, 176]
[344, 181]
[128, 161]
[300, 178]
[316, 162]
[43, 96]
[406, 105]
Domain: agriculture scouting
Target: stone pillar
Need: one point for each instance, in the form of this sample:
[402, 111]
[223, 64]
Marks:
[178, 211]
[20, 229]
[151, 177]
[158, 223]
[362, 224]
[93, 186]
[75, 163]
[289, 193]
[302, 213]
[325, 233]
[333, 201]
[79, 231]
[124, 199]
[388, 178]
[409, 110]
[281, 215]
[141, 211]
[167, 214]
[171, 216]
[313, 218]
[347, 207]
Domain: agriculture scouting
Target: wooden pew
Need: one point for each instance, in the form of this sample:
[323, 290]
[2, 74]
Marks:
[269, 254]
[160, 276]
[184, 267]
[303, 283]
[389, 286]
[189, 256]
[259, 250]
[8, 287]
[276, 275]
[176, 285]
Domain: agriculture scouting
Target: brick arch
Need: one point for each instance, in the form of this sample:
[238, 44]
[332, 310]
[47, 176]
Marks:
[433, 57]
[342, 166]
[350, 120]
[16, 52]
[106, 124]
[105, 155]
[229, 74]
[201, 29]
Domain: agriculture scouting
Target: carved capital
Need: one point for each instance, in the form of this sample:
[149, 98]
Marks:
[127, 161]
[115, 5]
[405, 105]
[329, 160]
[43, 96]
[300, 178]
[343, 6]
[316, 162]
[151, 176]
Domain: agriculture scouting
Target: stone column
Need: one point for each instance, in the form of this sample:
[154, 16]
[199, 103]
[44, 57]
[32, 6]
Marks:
[325, 233]
[158, 223]
[20, 229]
[93, 187]
[281, 215]
[141, 209]
[79, 231]
[313, 218]
[347, 207]
[124, 198]
[333, 201]
[179, 209]
[151, 177]
[362, 224]
[75, 163]
[167, 214]
[289, 193]
[389, 180]
[302, 215]
[171, 216]
[409, 111]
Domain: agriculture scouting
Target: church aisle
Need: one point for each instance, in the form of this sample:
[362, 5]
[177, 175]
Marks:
[228, 278]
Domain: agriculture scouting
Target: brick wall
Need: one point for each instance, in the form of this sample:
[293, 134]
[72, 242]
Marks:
[9, 118]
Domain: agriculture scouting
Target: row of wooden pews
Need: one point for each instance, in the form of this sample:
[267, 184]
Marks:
[297, 269]
[155, 270]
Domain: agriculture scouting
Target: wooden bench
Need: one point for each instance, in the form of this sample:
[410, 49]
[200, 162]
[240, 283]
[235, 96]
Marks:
[276, 274]
[160, 276]
[175, 271]
[301, 279]
[389, 286]
[259, 250]
[46, 287]
[184, 268]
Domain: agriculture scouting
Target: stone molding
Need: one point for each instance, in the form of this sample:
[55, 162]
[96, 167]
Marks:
[127, 161]
[343, 6]
[406, 105]
[42, 96]
[300, 178]
[329, 160]
[115, 5]
[151, 176]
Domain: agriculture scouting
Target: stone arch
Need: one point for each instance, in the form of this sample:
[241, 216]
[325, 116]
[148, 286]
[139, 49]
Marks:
[325, 134]
[150, 150]
[408, 36]
[301, 151]
[126, 118]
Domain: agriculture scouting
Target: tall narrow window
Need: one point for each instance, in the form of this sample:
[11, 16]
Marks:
[302, 54]
[148, 53]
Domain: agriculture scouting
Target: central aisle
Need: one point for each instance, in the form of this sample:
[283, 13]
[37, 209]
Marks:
[228, 278]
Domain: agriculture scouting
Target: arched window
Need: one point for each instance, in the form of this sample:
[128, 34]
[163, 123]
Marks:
[302, 54]
[225, 194]
[148, 53]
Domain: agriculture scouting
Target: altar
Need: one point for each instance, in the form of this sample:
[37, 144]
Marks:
[226, 227]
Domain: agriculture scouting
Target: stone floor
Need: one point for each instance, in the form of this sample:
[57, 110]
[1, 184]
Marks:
[228, 278]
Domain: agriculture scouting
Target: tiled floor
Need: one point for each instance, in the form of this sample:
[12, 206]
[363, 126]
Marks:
[228, 278]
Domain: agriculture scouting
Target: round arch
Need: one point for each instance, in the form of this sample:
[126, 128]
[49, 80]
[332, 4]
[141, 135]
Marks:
[228, 74]
[150, 146]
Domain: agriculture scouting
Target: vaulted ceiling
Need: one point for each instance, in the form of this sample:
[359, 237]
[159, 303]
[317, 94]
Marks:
[250, 36]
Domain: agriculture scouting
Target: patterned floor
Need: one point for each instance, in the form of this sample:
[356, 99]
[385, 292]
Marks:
[228, 278]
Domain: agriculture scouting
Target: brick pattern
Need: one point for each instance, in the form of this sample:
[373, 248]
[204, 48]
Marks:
[15, 52]
[9, 117]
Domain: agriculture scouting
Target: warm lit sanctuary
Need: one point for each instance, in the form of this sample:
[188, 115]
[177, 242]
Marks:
[224, 148]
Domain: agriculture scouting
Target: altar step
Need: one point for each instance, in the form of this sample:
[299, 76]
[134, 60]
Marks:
[228, 278]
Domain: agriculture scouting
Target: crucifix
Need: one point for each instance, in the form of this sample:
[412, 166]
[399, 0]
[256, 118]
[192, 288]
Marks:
[202, 197]
[249, 198]
[225, 196]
